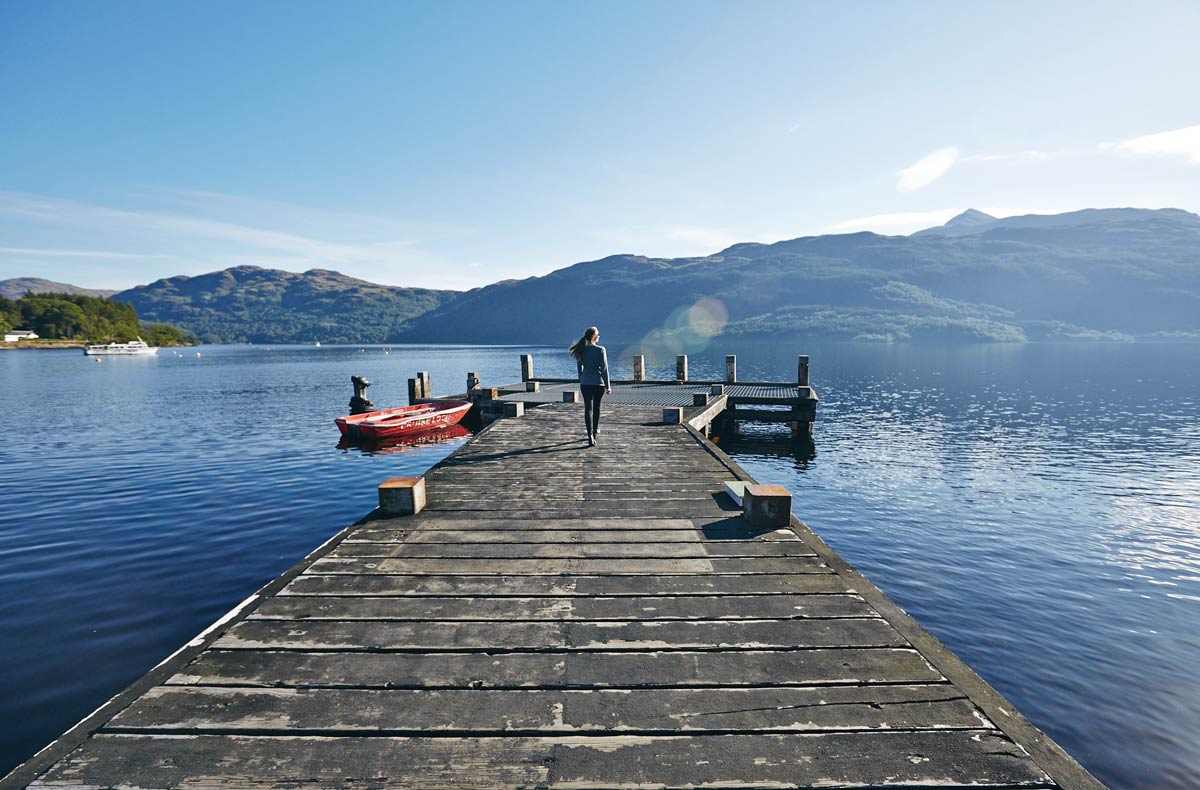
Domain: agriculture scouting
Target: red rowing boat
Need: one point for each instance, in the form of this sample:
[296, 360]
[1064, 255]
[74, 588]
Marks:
[403, 420]
[403, 444]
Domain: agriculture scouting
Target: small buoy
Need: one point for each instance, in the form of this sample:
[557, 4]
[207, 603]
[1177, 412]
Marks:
[98, 359]
[197, 353]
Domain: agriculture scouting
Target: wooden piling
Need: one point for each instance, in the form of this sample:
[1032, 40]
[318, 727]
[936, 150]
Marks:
[681, 371]
[639, 367]
[731, 368]
[526, 367]
[472, 381]
[802, 370]
[414, 391]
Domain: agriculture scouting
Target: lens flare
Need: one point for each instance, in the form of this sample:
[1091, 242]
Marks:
[708, 317]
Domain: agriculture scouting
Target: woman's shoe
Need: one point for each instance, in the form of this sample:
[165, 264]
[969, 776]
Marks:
[591, 441]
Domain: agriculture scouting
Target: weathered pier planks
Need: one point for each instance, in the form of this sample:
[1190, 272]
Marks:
[563, 617]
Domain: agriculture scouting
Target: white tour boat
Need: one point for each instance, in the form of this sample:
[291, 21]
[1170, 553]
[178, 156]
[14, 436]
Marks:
[137, 347]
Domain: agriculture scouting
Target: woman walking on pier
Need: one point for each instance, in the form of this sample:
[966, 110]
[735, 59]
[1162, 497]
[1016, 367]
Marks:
[593, 378]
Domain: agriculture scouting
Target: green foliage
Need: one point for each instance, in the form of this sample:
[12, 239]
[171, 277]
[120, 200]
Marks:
[10, 315]
[167, 335]
[79, 317]
[251, 304]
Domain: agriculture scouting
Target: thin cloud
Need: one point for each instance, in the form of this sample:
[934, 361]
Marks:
[927, 170]
[373, 251]
[897, 223]
[935, 165]
[1184, 143]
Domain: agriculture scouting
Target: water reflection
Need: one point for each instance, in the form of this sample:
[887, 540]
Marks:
[451, 434]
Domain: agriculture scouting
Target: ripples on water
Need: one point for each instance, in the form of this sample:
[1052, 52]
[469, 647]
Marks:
[1036, 507]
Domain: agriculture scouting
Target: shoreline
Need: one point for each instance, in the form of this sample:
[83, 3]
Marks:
[51, 345]
[43, 344]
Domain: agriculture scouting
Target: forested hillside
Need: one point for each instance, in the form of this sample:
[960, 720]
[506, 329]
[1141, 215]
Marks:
[252, 304]
[1110, 273]
[76, 317]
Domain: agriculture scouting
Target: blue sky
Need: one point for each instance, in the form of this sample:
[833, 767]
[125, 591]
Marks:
[456, 144]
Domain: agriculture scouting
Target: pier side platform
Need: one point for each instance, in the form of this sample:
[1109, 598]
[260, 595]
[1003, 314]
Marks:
[561, 616]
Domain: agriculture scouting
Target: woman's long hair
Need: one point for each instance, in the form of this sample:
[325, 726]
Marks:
[577, 347]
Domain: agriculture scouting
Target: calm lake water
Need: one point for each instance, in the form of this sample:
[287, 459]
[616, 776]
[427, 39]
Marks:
[1036, 507]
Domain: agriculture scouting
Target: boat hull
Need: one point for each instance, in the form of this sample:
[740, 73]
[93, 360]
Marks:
[402, 421]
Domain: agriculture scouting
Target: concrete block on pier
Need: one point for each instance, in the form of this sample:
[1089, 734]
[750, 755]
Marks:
[483, 394]
[736, 489]
[513, 408]
[767, 506]
[570, 396]
[716, 389]
[402, 496]
[700, 399]
[533, 386]
[673, 415]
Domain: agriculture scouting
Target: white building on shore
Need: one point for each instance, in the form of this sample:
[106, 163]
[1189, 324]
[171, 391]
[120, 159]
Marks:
[19, 334]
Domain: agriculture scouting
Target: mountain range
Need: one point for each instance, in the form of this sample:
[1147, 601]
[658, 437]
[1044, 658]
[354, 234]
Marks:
[252, 304]
[1096, 273]
[17, 287]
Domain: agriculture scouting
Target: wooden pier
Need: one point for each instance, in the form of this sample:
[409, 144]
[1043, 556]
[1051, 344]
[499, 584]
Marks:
[561, 616]
[703, 404]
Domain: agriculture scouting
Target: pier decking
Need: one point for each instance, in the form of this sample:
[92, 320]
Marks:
[564, 617]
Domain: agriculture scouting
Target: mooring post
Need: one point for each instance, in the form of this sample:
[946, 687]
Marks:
[526, 367]
[472, 381]
[731, 368]
[681, 367]
[359, 403]
[414, 391]
[426, 387]
[639, 367]
[802, 371]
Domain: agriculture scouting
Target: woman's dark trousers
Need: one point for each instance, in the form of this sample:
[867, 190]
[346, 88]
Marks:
[592, 394]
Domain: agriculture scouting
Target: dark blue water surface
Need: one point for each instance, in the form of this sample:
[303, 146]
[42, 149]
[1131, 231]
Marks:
[1037, 507]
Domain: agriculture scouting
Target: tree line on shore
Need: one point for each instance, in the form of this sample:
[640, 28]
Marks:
[94, 319]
